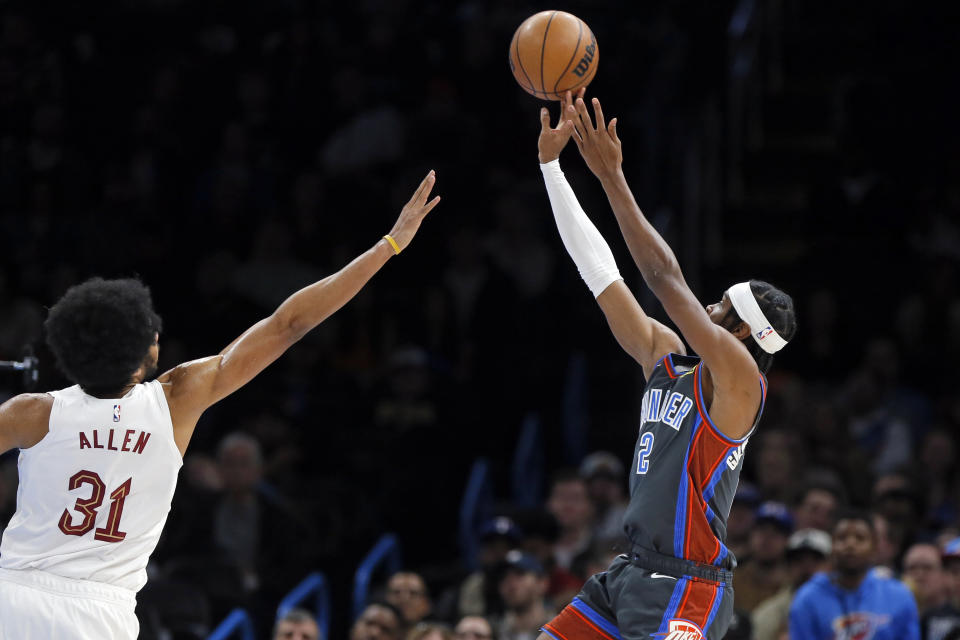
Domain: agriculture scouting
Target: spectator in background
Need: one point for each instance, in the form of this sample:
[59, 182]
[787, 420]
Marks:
[236, 538]
[765, 572]
[474, 628]
[888, 541]
[606, 485]
[923, 572]
[478, 592]
[776, 464]
[252, 525]
[740, 523]
[951, 564]
[937, 461]
[817, 505]
[878, 432]
[540, 533]
[853, 601]
[895, 497]
[379, 621]
[407, 591]
[523, 587]
[569, 502]
[430, 631]
[296, 624]
[808, 551]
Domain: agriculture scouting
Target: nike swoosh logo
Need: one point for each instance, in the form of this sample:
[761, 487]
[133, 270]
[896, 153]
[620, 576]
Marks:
[661, 575]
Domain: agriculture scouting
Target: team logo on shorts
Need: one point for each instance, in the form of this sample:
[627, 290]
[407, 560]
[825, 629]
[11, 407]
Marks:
[681, 630]
[116, 413]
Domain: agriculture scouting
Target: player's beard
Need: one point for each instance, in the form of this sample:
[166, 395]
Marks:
[149, 368]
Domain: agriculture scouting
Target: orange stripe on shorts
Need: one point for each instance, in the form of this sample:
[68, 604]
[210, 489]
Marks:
[570, 624]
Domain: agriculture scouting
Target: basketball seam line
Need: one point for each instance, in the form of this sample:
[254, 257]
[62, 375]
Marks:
[520, 62]
[575, 49]
[543, 49]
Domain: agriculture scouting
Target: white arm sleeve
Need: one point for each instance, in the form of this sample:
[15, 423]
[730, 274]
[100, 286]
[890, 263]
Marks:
[584, 243]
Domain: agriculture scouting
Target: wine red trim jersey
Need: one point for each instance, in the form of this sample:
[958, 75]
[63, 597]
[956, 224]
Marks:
[685, 470]
[95, 492]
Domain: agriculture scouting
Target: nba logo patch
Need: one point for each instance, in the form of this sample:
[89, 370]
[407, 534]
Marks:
[116, 413]
[681, 630]
[763, 333]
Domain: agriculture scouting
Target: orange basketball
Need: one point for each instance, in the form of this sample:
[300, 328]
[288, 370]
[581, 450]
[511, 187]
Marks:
[553, 52]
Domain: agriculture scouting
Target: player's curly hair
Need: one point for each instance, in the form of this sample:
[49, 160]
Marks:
[101, 331]
[777, 306]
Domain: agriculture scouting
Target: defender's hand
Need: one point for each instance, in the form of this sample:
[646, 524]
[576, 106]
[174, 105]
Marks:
[599, 145]
[553, 140]
[414, 212]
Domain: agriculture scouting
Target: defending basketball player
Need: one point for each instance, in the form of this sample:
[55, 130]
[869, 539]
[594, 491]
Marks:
[99, 461]
[697, 413]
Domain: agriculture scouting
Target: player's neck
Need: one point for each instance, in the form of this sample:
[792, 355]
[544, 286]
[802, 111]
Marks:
[111, 394]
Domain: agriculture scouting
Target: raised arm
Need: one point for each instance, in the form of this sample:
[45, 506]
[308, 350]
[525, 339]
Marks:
[733, 372]
[194, 386]
[645, 339]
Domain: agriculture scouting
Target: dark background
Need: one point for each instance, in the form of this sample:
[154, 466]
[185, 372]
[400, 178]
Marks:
[229, 152]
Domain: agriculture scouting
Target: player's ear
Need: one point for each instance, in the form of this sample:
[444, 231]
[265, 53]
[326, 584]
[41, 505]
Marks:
[741, 330]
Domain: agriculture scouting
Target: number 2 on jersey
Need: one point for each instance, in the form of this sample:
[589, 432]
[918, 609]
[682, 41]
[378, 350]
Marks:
[88, 507]
[643, 453]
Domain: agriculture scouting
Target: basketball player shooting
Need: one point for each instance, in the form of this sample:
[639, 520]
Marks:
[99, 460]
[697, 412]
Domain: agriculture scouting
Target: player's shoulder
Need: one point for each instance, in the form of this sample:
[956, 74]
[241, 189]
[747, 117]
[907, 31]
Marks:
[26, 405]
[175, 378]
[24, 420]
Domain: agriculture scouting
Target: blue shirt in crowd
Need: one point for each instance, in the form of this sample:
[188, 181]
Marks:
[881, 608]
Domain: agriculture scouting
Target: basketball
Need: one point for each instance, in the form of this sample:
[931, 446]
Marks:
[553, 52]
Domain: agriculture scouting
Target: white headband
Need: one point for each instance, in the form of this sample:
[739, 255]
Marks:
[749, 311]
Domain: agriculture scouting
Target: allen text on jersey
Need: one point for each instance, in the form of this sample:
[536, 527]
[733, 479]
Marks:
[129, 440]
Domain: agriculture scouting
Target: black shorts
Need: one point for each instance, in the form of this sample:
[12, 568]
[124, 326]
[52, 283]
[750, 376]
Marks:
[631, 602]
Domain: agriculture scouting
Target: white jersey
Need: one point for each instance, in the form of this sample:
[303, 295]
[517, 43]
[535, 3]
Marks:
[96, 490]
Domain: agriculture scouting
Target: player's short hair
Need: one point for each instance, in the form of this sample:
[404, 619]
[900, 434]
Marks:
[101, 331]
[777, 306]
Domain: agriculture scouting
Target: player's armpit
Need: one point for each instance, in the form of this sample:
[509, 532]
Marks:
[642, 337]
[24, 420]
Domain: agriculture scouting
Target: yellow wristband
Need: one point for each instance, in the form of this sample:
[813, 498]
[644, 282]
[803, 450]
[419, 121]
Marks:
[393, 243]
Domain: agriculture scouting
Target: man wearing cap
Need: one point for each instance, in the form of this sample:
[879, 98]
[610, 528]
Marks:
[697, 412]
[523, 587]
[807, 554]
[853, 600]
[497, 537]
[765, 572]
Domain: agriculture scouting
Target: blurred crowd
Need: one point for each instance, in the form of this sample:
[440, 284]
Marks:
[229, 153]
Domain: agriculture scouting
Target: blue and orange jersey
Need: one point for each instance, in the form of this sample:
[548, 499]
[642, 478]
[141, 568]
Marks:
[685, 471]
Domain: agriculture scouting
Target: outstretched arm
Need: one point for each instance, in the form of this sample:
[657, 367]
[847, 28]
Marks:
[194, 386]
[645, 339]
[732, 370]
